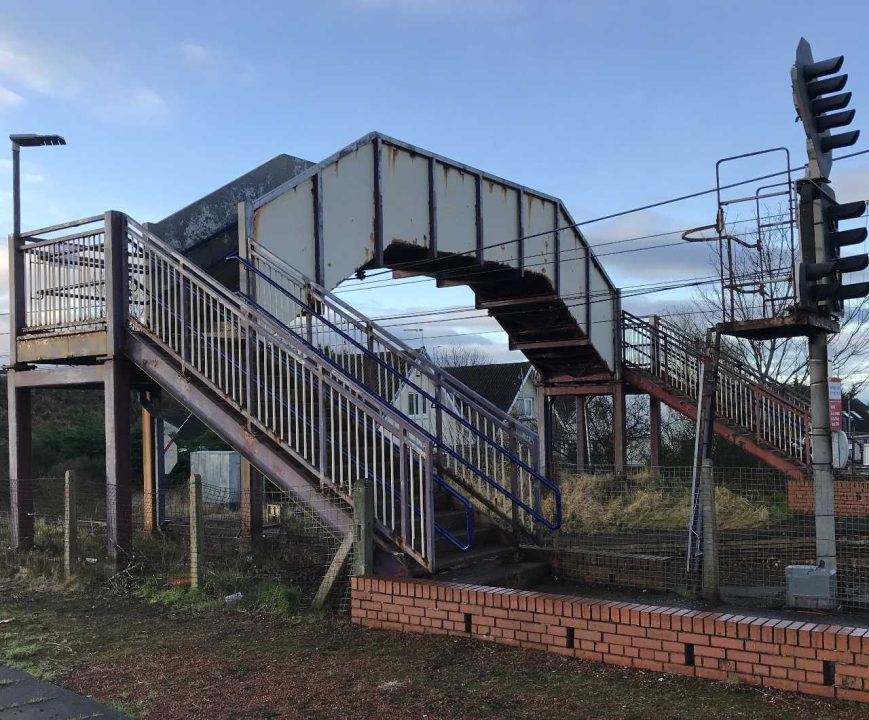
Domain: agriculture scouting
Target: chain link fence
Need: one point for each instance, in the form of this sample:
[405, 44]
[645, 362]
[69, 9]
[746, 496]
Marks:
[293, 550]
[630, 531]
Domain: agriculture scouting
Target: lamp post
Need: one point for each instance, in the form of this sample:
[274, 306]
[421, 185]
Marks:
[16, 262]
[421, 332]
[20, 448]
[18, 142]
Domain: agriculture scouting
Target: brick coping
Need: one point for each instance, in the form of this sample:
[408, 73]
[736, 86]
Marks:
[812, 658]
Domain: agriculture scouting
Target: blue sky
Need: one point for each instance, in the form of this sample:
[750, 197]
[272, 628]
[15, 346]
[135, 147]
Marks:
[608, 105]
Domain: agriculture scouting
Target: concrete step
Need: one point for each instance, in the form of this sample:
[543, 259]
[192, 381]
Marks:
[519, 574]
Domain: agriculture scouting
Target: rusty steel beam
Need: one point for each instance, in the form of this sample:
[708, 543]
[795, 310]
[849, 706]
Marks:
[251, 501]
[620, 442]
[20, 462]
[59, 377]
[688, 408]
[119, 509]
[654, 433]
[586, 390]
[581, 435]
[274, 464]
[89, 344]
[512, 302]
[549, 344]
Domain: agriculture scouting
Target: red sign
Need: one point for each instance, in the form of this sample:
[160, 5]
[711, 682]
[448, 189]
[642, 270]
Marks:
[835, 385]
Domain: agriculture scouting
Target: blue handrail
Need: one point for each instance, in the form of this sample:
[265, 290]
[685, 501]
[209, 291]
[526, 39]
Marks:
[432, 438]
[368, 353]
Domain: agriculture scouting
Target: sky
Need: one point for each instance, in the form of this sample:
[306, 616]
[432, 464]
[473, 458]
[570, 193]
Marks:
[607, 105]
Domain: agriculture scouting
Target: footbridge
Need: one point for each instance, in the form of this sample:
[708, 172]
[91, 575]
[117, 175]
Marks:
[229, 308]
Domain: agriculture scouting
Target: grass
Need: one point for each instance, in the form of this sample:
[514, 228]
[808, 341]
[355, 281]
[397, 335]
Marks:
[230, 662]
[258, 596]
[606, 503]
[22, 657]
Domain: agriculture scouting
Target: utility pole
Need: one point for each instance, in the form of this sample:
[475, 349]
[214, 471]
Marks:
[821, 108]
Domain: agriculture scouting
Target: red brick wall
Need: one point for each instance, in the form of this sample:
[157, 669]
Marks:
[850, 497]
[812, 658]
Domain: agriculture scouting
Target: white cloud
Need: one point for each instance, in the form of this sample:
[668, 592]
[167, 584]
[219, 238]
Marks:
[70, 75]
[147, 102]
[194, 54]
[851, 183]
[48, 71]
[8, 98]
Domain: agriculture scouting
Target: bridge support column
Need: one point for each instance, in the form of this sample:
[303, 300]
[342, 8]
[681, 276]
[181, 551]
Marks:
[581, 435]
[654, 435]
[251, 501]
[153, 468]
[20, 462]
[119, 511]
[620, 448]
[543, 416]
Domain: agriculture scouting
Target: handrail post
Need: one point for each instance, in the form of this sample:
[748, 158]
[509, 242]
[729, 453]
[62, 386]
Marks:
[757, 416]
[184, 340]
[402, 484]
[429, 512]
[439, 419]
[321, 415]
[514, 482]
[309, 320]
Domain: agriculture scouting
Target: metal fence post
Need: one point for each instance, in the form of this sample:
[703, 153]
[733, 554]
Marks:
[195, 510]
[710, 531]
[363, 520]
[70, 525]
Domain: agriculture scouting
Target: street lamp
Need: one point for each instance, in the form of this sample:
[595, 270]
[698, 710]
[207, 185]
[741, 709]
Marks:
[16, 260]
[18, 142]
[421, 332]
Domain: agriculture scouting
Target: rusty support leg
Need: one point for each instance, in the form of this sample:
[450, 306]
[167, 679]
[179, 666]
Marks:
[153, 461]
[20, 463]
[654, 435]
[251, 501]
[581, 435]
[149, 476]
[118, 466]
[620, 448]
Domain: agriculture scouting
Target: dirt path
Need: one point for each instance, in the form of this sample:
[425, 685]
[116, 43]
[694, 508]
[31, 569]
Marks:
[156, 662]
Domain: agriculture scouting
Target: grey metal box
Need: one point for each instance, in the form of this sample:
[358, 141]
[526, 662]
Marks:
[221, 475]
[810, 586]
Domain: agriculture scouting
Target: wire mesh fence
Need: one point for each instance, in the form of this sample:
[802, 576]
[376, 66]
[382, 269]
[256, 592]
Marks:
[629, 530]
[291, 547]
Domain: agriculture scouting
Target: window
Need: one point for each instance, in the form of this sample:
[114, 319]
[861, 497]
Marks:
[525, 407]
[416, 404]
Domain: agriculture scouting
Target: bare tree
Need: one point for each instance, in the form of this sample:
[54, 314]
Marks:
[764, 277]
[449, 356]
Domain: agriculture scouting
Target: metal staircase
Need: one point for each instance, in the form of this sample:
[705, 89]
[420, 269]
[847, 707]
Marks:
[765, 419]
[302, 386]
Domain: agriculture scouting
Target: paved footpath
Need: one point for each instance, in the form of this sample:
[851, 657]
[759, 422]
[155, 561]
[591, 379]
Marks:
[24, 697]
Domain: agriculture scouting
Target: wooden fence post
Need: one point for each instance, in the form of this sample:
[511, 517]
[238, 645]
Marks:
[195, 510]
[70, 525]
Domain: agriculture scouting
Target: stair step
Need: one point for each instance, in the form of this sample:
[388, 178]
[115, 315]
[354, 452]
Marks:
[498, 573]
[454, 558]
[450, 518]
[483, 537]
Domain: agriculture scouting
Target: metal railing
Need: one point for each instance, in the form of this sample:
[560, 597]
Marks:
[485, 449]
[64, 276]
[280, 389]
[743, 398]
